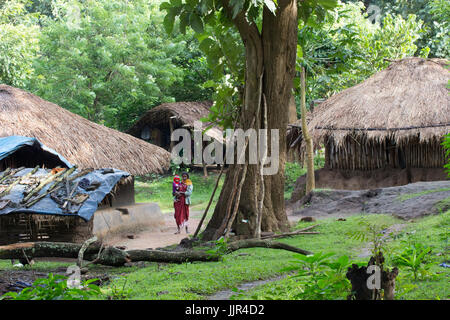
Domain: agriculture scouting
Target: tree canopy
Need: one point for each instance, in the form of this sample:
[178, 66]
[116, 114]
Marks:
[110, 61]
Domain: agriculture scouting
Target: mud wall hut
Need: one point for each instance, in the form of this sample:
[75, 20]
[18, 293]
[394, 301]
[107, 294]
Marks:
[387, 130]
[77, 140]
[52, 201]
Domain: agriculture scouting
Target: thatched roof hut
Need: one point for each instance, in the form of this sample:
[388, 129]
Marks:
[157, 124]
[404, 109]
[386, 130]
[80, 141]
[408, 100]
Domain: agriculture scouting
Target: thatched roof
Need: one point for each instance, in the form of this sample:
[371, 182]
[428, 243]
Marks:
[183, 113]
[82, 142]
[408, 99]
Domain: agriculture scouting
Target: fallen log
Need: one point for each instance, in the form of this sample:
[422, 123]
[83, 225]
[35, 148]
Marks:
[294, 233]
[171, 256]
[255, 243]
[112, 256]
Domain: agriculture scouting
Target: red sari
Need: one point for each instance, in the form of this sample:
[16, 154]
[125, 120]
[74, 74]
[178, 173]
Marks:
[181, 208]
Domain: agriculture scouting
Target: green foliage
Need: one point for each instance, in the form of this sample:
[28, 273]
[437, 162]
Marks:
[372, 232]
[54, 287]
[344, 48]
[105, 60]
[220, 248]
[118, 292]
[446, 145]
[436, 17]
[319, 278]
[18, 42]
[414, 258]
[292, 172]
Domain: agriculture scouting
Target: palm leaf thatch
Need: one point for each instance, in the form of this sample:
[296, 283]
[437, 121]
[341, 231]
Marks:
[183, 114]
[82, 142]
[408, 100]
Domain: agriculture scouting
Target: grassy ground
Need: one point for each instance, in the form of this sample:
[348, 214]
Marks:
[430, 231]
[159, 189]
[199, 280]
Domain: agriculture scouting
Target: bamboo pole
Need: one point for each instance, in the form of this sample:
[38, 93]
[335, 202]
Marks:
[310, 179]
[209, 203]
[18, 180]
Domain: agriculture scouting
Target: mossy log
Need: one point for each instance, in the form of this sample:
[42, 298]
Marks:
[113, 256]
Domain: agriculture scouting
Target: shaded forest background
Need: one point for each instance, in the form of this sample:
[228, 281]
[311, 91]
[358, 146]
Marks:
[111, 60]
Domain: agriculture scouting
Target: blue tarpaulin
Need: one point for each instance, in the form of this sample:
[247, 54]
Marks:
[47, 205]
[12, 144]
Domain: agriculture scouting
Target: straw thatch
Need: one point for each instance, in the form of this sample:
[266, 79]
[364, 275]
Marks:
[397, 119]
[407, 100]
[82, 142]
[183, 114]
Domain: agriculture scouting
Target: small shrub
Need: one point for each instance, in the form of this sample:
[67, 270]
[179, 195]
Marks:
[415, 259]
[319, 278]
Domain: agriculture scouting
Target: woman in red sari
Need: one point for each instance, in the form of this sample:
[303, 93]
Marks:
[182, 192]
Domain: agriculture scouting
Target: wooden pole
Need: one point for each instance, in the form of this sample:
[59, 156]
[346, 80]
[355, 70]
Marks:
[209, 203]
[310, 180]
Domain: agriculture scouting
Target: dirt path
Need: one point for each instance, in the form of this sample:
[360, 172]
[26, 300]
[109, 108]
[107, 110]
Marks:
[405, 202]
[157, 239]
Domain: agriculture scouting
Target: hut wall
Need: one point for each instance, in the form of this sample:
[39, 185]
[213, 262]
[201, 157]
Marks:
[25, 227]
[358, 153]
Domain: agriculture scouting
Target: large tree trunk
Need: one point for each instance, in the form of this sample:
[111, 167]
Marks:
[271, 53]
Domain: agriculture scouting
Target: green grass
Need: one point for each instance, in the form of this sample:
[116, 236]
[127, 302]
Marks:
[293, 170]
[198, 280]
[430, 231]
[159, 190]
[418, 194]
[42, 266]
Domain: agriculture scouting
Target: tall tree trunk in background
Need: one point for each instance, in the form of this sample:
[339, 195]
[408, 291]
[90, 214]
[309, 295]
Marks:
[310, 180]
[272, 54]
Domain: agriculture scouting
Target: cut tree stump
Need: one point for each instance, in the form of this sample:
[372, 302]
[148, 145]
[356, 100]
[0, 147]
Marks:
[358, 276]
